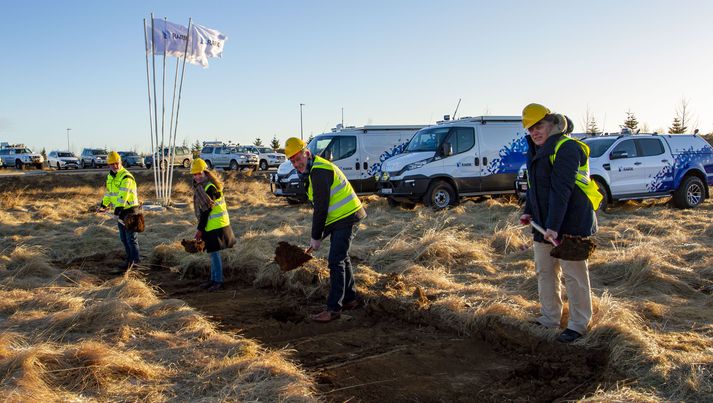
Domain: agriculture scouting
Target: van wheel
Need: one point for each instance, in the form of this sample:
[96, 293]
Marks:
[690, 194]
[440, 195]
[233, 165]
[392, 202]
[263, 165]
[605, 195]
[186, 163]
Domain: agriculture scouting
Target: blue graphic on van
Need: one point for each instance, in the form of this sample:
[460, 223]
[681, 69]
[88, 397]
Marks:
[512, 156]
[395, 150]
[664, 179]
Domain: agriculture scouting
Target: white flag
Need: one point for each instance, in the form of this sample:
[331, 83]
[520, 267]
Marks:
[171, 37]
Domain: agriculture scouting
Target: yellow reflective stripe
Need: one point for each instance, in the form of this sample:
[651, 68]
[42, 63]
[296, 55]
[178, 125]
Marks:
[222, 213]
[342, 202]
[337, 188]
[124, 189]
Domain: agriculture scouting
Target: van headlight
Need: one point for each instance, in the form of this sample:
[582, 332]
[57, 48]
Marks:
[415, 165]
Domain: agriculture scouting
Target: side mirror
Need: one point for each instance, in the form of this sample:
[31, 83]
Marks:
[616, 155]
[446, 149]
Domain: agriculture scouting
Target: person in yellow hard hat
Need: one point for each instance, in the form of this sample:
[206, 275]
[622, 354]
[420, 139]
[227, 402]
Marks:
[337, 212]
[122, 195]
[561, 198]
[213, 221]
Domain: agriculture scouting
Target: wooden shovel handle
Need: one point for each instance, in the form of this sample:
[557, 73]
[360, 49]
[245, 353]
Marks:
[543, 232]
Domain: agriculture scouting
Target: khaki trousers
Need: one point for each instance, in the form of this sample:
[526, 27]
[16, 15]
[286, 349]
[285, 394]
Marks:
[576, 278]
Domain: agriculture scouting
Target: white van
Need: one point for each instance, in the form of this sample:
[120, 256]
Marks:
[357, 151]
[464, 157]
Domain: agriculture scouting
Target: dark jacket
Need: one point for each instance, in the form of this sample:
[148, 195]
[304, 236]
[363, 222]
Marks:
[553, 199]
[321, 180]
[219, 238]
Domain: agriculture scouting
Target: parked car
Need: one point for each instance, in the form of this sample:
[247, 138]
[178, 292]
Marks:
[644, 166]
[357, 151]
[267, 157]
[93, 157]
[130, 159]
[62, 160]
[20, 156]
[454, 159]
[182, 157]
[228, 157]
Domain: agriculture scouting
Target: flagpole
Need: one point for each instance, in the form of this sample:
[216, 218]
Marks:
[163, 116]
[180, 88]
[148, 84]
[157, 176]
[171, 140]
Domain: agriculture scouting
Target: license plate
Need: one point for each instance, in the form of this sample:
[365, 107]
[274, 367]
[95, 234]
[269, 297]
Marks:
[523, 187]
[386, 191]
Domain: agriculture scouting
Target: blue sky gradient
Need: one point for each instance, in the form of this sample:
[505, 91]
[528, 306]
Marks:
[80, 65]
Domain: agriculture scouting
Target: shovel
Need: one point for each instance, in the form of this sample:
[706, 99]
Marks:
[290, 257]
[575, 248]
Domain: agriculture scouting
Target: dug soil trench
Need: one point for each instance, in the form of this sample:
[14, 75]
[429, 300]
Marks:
[369, 355]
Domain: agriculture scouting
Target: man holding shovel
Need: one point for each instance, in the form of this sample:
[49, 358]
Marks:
[122, 195]
[560, 201]
[337, 212]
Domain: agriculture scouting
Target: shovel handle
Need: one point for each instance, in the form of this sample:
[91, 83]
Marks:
[308, 250]
[543, 232]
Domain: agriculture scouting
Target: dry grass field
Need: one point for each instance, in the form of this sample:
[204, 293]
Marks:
[450, 294]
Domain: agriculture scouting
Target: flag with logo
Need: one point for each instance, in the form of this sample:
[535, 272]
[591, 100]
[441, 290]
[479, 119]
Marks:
[171, 38]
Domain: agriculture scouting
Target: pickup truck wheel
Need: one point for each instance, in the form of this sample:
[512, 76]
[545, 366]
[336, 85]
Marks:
[82, 165]
[263, 165]
[94, 164]
[233, 165]
[440, 195]
[690, 194]
[58, 168]
[186, 163]
[605, 199]
[18, 164]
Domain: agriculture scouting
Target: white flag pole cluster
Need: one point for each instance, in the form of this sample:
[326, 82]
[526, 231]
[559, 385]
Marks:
[193, 44]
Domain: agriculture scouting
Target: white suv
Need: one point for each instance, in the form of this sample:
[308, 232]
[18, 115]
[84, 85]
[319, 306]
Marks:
[62, 160]
[267, 156]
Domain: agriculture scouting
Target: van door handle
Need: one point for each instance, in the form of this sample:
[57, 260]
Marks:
[477, 161]
[637, 163]
[357, 166]
[664, 160]
[366, 166]
[485, 161]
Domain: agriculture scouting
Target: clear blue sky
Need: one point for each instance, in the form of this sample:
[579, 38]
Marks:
[80, 65]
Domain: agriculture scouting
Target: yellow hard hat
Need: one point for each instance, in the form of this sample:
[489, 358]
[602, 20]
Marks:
[198, 166]
[293, 145]
[532, 114]
[113, 157]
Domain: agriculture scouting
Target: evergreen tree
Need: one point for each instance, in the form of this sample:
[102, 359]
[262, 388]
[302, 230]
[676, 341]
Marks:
[196, 149]
[275, 143]
[310, 138]
[592, 127]
[257, 142]
[631, 121]
[677, 126]
[44, 153]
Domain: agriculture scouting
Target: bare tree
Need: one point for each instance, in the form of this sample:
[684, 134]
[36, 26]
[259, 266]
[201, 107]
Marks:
[685, 117]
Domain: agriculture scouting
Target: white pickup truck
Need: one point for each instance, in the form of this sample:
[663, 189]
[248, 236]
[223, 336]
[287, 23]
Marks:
[642, 166]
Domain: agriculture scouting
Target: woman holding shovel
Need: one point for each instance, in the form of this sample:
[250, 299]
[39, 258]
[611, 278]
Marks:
[213, 220]
[560, 202]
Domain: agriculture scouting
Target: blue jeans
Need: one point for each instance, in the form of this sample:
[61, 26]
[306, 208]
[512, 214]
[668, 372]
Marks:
[131, 244]
[216, 267]
[341, 278]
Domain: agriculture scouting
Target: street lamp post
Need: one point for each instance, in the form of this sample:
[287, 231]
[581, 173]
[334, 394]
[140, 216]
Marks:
[68, 129]
[301, 136]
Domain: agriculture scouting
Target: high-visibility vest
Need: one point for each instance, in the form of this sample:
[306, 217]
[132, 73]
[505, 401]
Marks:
[588, 186]
[121, 190]
[218, 217]
[343, 201]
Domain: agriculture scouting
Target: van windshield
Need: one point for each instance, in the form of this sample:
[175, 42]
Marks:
[427, 139]
[318, 144]
[597, 147]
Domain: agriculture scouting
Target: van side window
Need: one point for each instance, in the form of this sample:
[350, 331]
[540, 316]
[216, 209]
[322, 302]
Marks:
[343, 147]
[650, 147]
[462, 139]
[628, 146]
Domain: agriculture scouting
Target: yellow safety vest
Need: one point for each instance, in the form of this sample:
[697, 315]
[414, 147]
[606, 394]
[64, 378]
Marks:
[218, 217]
[588, 186]
[121, 190]
[343, 201]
